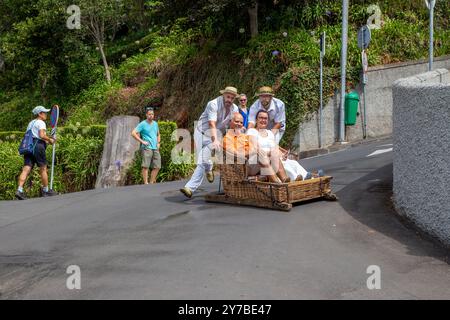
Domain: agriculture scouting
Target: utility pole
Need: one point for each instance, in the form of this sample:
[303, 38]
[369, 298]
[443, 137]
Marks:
[343, 68]
[430, 5]
[364, 37]
[322, 54]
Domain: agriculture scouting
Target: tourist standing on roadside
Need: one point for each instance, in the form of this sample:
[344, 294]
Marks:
[147, 133]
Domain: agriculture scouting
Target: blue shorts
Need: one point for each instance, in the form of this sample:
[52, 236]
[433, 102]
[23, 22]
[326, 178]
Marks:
[38, 157]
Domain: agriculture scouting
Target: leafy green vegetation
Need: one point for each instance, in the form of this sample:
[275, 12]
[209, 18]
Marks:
[176, 55]
[77, 163]
[79, 152]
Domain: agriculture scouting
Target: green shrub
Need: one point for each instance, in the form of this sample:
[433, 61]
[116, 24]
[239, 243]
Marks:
[8, 136]
[79, 158]
[131, 100]
[76, 165]
[129, 46]
[182, 65]
[93, 131]
[16, 112]
[11, 164]
[141, 64]
[88, 108]
[85, 114]
[169, 170]
[97, 131]
[78, 155]
[10, 167]
[299, 85]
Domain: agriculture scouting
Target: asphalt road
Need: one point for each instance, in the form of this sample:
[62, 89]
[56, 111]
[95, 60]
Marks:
[149, 242]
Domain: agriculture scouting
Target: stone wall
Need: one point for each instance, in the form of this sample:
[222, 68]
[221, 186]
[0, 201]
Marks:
[421, 137]
[378, 107]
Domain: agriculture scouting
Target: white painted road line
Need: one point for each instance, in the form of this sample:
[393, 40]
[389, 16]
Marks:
[379, 152]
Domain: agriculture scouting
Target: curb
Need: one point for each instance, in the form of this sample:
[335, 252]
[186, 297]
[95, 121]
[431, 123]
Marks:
[338, 147]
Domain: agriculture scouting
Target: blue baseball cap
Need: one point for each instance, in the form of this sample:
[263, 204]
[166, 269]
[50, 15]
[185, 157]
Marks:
[39, 109]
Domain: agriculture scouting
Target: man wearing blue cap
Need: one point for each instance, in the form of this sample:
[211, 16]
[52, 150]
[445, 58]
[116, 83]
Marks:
[38, 130]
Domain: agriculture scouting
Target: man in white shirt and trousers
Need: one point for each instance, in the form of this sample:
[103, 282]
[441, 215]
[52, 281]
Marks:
[276, 109]
[208, 134]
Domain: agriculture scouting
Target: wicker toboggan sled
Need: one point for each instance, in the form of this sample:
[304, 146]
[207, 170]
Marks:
[239, 189]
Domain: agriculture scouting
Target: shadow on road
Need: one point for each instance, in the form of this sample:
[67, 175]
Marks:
[369, 201]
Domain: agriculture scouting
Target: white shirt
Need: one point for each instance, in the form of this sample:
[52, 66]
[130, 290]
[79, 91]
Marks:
[277, 113]
[36, 126]
[265, 143]
[215, 111]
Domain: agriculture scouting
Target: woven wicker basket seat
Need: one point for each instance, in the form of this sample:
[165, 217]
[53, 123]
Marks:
[239, 189]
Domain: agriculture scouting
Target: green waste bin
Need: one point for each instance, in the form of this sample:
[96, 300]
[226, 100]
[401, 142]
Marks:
[351, 108]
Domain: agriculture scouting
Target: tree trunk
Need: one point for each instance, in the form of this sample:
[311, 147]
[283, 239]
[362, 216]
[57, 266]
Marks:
[2, 64]
[253, 14]
[97, 30]
[105, 62]
[141, 10]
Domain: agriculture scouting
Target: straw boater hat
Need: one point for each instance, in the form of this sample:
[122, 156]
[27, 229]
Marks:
[231, 90]
[265, 91]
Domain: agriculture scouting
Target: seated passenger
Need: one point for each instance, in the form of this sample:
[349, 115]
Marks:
[240, 147]
[265, 139]
[295, 171]
[236, 143]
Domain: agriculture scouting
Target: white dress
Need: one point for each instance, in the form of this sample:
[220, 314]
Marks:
[293, 168]
[265, 143]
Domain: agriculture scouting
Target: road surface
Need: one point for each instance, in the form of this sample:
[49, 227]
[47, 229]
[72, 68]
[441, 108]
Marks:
[149, 242]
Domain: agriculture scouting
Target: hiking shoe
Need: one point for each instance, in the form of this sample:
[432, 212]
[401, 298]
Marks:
[187, 192]
[20, 195]
[210, 176]
[49, 193]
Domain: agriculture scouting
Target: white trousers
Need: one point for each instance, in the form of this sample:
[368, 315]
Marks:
[294, 169]
[203, 159]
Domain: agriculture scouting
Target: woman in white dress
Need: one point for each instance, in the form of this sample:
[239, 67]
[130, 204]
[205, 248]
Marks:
[265, 140]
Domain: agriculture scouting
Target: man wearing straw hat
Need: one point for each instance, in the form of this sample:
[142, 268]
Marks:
[276, 109]
[208, 133]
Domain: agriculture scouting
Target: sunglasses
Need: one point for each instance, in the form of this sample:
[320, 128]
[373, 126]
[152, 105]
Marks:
[242, 100]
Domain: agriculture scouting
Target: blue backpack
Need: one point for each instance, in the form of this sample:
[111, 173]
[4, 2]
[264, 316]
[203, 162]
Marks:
[28, 144]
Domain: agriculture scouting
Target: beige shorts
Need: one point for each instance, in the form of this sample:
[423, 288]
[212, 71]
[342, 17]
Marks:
[151, 159]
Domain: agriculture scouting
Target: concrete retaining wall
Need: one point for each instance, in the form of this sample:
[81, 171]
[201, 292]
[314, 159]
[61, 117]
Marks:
[378, 107]
[421, 135]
